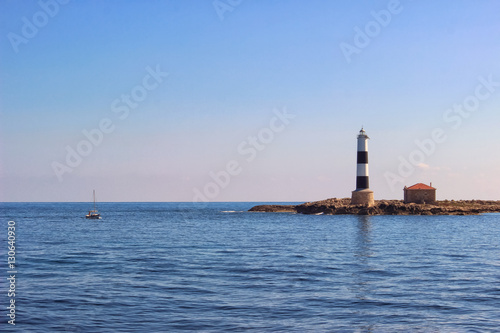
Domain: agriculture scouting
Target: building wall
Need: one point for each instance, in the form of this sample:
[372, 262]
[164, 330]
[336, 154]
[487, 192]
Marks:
[419, 196]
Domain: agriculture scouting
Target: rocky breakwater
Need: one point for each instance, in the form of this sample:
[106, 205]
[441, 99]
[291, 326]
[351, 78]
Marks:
[385, 207]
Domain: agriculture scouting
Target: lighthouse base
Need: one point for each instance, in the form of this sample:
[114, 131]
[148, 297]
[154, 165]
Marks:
[362, 197]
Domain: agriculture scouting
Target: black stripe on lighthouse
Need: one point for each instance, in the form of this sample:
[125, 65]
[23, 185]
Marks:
[362, 157]
[362, 182]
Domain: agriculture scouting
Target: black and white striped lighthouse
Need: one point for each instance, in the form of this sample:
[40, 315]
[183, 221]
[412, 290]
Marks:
[362, 195]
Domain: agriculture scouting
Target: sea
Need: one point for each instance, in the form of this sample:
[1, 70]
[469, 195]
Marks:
[184, 267]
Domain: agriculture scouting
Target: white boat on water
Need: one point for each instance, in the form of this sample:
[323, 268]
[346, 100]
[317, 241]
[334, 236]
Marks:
[93, 214]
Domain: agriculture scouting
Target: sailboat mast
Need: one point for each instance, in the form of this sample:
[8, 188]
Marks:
[94, 200]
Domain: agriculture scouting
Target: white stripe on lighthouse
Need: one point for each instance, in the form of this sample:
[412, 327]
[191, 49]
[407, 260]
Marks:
[362, 145]
[362, 170]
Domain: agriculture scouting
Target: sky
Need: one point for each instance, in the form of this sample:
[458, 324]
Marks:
[239, 100]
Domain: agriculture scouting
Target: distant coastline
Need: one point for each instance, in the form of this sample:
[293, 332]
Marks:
[343, 206]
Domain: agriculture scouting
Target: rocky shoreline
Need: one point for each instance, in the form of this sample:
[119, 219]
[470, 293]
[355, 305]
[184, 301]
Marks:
[385, 207]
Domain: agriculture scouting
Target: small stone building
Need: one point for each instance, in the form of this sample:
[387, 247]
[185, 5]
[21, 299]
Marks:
[420, 193]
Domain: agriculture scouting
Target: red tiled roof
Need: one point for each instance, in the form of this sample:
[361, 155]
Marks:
[421, 186]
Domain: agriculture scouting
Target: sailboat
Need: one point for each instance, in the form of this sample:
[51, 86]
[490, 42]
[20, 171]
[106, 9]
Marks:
[93, 214]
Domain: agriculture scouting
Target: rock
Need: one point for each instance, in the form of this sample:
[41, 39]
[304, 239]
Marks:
[273, 209]
[343, 206]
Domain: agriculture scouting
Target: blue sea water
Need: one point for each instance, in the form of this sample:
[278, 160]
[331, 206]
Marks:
[174, 267]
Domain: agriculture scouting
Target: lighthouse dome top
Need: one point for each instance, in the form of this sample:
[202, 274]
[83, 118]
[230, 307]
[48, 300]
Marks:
[362, 134]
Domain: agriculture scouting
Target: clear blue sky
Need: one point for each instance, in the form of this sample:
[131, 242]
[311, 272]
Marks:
[67, 67]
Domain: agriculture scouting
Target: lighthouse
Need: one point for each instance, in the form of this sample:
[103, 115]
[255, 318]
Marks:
[362, 195]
